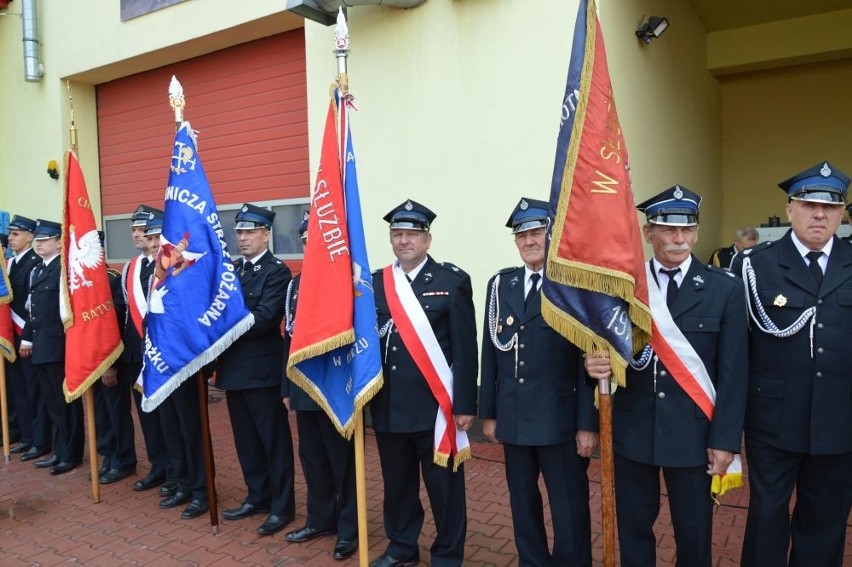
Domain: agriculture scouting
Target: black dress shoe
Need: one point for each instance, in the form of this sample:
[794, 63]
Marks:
[64, 467]
[47, 463]
[176, 499]
[196, 508]
[103, 469]
[306, 534]
[169, 488]
[244, 510]
[345, 548]
[274, 524]
[34, 453]
[114, 475]
[19, 448]
[149, 481]
[386, 560]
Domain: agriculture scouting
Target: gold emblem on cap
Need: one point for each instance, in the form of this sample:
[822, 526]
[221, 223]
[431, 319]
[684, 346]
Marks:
[780, 301]
[408, 205]
[825, 171]
[510, 320]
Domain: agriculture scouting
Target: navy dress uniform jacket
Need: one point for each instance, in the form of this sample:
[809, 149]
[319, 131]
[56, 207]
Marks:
[133, 348]
[299, 399]
[549, 399]
[664, 427]
[405, 403]
[798, 402]
[44, 328]
[254, 360]
[19, 278]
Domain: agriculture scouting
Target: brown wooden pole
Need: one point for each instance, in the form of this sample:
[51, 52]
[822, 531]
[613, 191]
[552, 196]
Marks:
[207, 442]
[4, 408]
[361, 492]
[607, 473]
[89, 398]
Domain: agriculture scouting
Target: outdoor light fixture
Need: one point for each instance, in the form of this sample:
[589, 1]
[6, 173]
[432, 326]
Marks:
[652, 29]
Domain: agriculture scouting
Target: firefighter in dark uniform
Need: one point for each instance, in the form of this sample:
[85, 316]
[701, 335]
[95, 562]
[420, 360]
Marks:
[114, 421]
[328, 460]
[33, 423]
[135, 283]
[798, 430]
[180, 419]
[251, 373]
[535, 399]
[44, 341]
[404, 410]
[656, 423]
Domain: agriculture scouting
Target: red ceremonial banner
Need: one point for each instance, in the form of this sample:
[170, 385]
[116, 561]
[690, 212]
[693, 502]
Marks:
[92, 339]
[324, 318]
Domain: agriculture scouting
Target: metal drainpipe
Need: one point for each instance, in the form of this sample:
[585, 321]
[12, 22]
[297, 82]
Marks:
[33, 67]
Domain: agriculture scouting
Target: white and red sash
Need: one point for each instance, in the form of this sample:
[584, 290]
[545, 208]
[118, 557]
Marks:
[17, 318]
[687, 369]
[136, 303]
[420, 340]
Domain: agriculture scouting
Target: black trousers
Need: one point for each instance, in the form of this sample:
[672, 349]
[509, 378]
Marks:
[818, 527]
[114, 424]
[404, 457]
[33, 423]
[180, 417]
[637, 503]
[67, 419]
[264, 447]
[150, 422]
[567, 483]
[328, 463]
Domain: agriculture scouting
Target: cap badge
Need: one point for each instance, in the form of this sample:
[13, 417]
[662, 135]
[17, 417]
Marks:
[38, 223]
[825, 171]
[780, 301]
[408, 206]
[244, 209]
[524, 205]
[150, 215]
[678, 193]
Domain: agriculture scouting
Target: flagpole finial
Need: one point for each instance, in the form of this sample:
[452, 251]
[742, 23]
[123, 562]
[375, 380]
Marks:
[341, 50]
[72, 131]
[177, 100]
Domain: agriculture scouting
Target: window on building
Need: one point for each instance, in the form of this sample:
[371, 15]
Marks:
[284, 242]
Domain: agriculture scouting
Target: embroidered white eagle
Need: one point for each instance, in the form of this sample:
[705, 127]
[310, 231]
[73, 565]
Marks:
[84, 254]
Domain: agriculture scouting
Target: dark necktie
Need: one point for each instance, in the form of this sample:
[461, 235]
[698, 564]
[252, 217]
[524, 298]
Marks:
[533, 289]
[246, 268]
[671, 290]
[814, 267]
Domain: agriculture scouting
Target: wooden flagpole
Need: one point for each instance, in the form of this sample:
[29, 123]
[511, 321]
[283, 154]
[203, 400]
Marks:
[4, 406]
[178, 103]
[607, 472]
[88, 396]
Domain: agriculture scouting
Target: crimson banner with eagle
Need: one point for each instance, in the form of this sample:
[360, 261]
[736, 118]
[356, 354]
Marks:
[92, 339]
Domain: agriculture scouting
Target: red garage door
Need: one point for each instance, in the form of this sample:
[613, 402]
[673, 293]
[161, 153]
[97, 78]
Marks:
[248, 104]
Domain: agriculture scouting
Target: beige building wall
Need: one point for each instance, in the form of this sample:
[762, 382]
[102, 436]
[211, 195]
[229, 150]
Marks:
[776, 123]
[459, 103]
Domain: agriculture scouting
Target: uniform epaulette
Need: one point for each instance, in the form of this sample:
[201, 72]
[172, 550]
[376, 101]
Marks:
[277, 261]
[757, 249]
[453, 269]
[721, 271]
[113, 272]
[505, 271]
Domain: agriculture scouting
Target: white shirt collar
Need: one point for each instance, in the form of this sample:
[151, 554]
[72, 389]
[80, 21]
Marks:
[19, 256]
[413, 273]
[803, 250]
[49, 260]
[256, 258]
[684, 268]
[528, 272]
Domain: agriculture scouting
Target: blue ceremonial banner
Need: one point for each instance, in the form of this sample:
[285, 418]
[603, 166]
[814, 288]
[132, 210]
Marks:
[595, 290]
[195, 308]
[343, 380]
